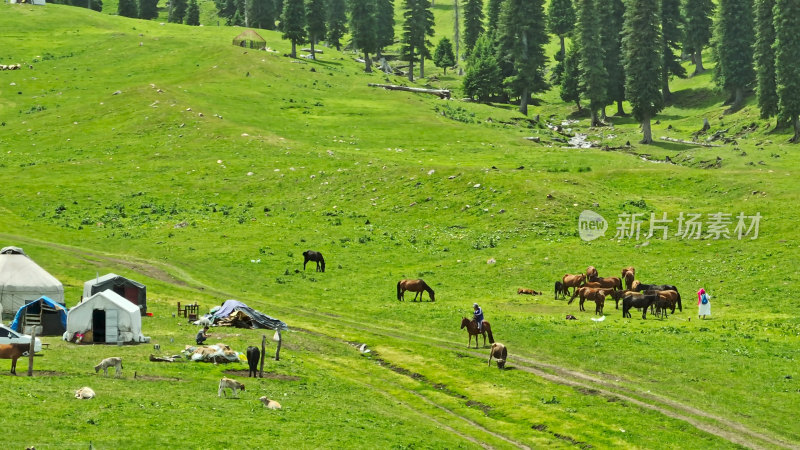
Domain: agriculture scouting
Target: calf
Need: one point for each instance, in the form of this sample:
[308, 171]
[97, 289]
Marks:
[13, 352]
[499, 352]
[270, 404]
[114, 362]
[253, 355]
[227, 383]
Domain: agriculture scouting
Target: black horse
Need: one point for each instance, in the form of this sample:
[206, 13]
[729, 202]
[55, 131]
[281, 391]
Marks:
[639, 287]
[253, 355]
[311, 255]
[642, 301]
[560, 289]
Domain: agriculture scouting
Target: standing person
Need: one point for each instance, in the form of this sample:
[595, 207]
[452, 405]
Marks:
[477, 314]
[202, 335]
[703, 304]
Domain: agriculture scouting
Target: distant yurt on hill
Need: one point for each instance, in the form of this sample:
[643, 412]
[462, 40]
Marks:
[23, 281]
[250, 39]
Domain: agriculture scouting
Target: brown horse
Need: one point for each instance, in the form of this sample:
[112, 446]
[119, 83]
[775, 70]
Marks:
[628, 274]
[417, 286]
[591, 273]
[619, 295]
[472, 329]
[13, 352]
[572, 281]
[596, 295]
[605, 283]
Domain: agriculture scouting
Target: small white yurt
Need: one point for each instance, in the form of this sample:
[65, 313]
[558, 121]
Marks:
[23, 281]
[105, 318]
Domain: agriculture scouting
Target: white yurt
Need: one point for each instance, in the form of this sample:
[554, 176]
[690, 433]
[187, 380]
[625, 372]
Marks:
[105, 318]
[23, 281]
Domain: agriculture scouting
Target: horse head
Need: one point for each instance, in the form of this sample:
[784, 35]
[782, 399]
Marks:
[430, 292]
[464, 322]
[635, 285]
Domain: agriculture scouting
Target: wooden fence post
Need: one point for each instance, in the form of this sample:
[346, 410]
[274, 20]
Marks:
[263, 354]
[31, 351]
[278, 350]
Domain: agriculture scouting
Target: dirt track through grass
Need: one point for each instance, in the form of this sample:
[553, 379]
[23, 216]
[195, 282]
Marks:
[727, 429]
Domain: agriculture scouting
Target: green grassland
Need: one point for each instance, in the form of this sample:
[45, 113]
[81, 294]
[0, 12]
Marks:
[164, 153]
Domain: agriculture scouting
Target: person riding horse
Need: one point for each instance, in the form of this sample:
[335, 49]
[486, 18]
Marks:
[477, 315]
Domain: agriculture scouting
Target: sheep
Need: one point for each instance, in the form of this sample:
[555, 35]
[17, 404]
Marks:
[271, 404]
[110, 362]
[84, 393]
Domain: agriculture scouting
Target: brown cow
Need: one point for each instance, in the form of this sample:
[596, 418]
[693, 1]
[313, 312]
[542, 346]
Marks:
[13, 352]
[500, 353]
[628, 274]
[591, 273]
[572, 281]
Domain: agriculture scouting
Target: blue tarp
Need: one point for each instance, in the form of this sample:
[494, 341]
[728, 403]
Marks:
[257, 318]
[35, 307]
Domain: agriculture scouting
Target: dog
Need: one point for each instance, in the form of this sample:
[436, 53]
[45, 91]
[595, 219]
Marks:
[229, 383]
[84, 393]
[110, 362]
[271, 404]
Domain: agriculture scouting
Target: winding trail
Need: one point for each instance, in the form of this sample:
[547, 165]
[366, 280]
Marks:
[714, 424]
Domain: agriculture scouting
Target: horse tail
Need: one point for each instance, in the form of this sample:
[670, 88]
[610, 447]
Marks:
[679, 301]
[489, 332]
[398, 289]
[574, 294]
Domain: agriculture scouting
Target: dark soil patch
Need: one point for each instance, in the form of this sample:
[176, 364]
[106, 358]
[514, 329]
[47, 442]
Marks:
[539, 427]
[482, 406]
[270, 375]
[37, 373]
[572, 441]
[156, 378]
[587, 391]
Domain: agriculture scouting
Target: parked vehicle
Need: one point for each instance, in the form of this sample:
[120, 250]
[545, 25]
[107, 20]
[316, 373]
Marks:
[9, 336]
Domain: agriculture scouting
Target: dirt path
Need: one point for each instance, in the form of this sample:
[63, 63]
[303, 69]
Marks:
[724, 428]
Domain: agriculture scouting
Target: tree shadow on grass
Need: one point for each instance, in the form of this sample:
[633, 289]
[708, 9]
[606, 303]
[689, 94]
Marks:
[701, 98]
[672, 146]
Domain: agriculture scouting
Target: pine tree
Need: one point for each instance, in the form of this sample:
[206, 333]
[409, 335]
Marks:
[384, 22]
[787, 56]
[260, 14]
[482, 78]
[493, 16]
[127, 8]
[611, 19]
[570, 90]
[193, 13]
[698, 29]
[337, 22]
[561, 20]
[148, 9]
[177, 11]
[226, 9]
[293, 23]
[239, 18]
[593, 75]
[641, 44]
[363, 28]
[417, 28]
[473, 24]
[522, 38]
[315, 22]
[671, 38]
[764, 55]
[444, 57]
[733, 47]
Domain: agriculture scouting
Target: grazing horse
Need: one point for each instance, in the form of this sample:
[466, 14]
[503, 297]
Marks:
[417, 286]
[634, 300]
[560, 289]
[628, 274]
[606, 283]
[253, 355]
[639, 287]
[472, 329]
[597, 295]
[591, 273]
[13, 352]
[311, 255]
[572, 281]
[670, 298]
[500, 353]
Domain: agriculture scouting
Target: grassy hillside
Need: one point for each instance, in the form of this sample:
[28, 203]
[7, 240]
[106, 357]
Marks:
[166, 154]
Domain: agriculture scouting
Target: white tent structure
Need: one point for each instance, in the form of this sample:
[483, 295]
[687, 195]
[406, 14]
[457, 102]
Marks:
[23, 281]
[105, 317]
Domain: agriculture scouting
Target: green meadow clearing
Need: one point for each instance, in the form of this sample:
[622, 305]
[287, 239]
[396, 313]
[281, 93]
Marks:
[163, 153]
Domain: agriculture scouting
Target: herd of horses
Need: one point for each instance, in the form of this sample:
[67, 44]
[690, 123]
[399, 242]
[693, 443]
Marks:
[589, 286]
